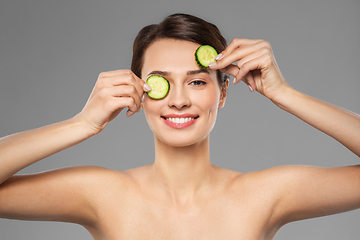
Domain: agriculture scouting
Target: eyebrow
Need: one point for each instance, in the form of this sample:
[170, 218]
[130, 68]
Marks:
[160, 73]
[194, 72]
[165, 73]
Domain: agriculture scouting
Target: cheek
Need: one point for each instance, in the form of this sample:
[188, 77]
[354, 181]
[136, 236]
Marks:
[152, 111]
[150, 108]
[208, 100]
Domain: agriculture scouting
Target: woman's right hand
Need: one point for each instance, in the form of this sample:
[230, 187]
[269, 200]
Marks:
[113, 91]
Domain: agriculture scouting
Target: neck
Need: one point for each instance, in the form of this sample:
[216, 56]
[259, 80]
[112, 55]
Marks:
[182, 172]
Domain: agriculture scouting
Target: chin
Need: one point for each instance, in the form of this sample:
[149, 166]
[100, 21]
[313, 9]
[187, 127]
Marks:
[182, 140]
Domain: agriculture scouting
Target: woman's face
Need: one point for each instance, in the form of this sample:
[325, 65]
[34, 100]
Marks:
[188, 113]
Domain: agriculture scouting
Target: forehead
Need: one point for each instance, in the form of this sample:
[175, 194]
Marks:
[175, 56]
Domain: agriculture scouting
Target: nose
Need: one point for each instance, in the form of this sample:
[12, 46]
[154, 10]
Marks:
[178, 97]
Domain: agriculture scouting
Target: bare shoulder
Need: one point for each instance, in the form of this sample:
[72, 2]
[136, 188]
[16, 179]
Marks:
[274, 175]
[67, 194]
[92, 182]
[100, 177]
[266, 187]
[74, 176]
[284, 176]
[298, 191]
[88, 174]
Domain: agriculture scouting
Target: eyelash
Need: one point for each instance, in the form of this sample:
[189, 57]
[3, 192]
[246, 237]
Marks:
[198, 81]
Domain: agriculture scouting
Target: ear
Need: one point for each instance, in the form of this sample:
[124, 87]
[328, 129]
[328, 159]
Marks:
[223, 95]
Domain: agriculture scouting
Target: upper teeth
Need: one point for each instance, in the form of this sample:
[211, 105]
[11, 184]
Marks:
[179, 120]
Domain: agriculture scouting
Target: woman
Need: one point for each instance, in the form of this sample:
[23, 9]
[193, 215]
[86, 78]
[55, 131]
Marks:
[181, 195]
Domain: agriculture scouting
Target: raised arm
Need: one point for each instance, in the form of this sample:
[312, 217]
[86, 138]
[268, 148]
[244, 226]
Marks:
[257, 67]
[113, 92]
[22, 149]
[300, 191]
[342, 125]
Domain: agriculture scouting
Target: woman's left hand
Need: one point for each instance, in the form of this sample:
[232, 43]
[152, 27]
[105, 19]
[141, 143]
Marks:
[256, 66]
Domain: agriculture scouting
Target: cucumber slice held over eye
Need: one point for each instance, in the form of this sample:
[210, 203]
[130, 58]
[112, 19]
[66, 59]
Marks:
[159, 86]
[204, 55]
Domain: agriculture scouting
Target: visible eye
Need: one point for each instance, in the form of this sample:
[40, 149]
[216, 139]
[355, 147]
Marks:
[198, 83]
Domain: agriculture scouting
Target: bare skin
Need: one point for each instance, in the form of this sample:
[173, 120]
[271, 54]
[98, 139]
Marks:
[181, 195]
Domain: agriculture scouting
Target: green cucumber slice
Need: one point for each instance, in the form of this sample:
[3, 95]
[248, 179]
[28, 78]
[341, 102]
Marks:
[159, 86]
[204, 55]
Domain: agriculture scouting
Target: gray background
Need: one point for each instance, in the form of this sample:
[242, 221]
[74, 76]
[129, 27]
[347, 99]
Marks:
[51, 53]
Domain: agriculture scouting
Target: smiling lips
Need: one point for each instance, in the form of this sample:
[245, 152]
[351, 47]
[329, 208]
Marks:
[180, 121]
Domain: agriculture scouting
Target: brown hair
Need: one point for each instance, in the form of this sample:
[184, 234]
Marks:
[183, 27]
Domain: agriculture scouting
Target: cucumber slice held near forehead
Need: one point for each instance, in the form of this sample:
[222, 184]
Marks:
[159, 86]
[204, 55]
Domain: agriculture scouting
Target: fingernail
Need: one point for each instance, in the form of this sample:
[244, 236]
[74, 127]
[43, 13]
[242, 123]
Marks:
[143, 98]
[251, 89]
[218, 57]
[234, 81]
[213, 64]
[147, 87]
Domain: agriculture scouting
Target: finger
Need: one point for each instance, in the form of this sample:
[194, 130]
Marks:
[143, 98]
[236, 43]
[129, 113]
[108, 79]
[138, 83]
[254, 55]
[250, 81]
[240, 64]
[133, 108]
[232, 70]
[121, 92]
[257, 63]
[122, 77]
[116, 104]
[238, 54]
[126, 91]
[127, 102]
[111, 73]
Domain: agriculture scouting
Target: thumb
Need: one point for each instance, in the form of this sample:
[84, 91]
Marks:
[145, 86]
